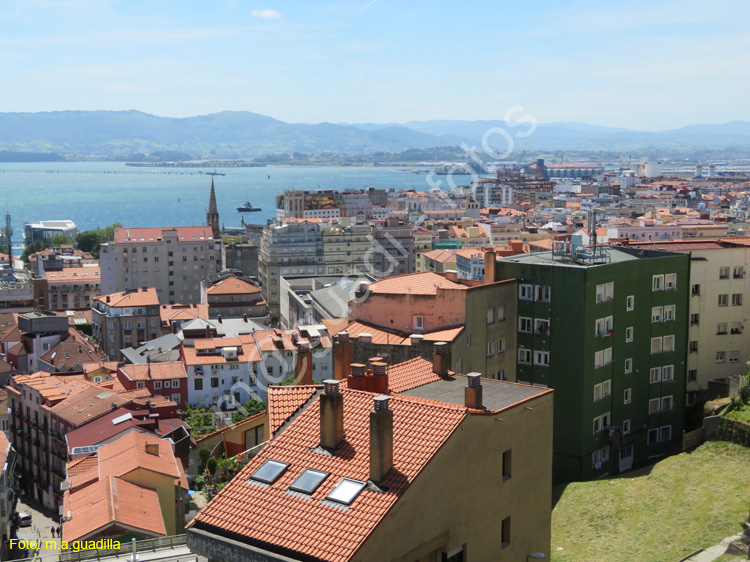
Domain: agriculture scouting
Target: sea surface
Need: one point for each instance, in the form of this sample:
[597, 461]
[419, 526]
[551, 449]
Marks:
[95, 194]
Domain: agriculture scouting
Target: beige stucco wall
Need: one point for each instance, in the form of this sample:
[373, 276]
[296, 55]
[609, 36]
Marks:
[461, 499]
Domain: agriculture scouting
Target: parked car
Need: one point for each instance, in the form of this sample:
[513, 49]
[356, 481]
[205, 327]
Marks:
[24, 519]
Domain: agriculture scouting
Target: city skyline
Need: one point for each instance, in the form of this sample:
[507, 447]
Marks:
[644, 67]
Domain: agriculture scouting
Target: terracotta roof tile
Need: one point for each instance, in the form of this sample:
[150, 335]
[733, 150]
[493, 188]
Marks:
[111, 501]
[82, 465]
[410, 374]
[233, 286]
[284, 401]
[128, 453]
[86, 405]
[184, 233]
[425, 283]
[73, 275]
[138, 297]
[307, 525]
[155, 371]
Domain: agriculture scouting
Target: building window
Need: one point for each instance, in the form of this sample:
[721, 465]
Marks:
[656, 345]
[198, 384]
[501, 345]
[738, 272]
[654, 375]
[666, 403]
[506, 464]
[653, 436]
[605, 292]
[721, 357]
[694, 319]
[721, 328]
[418, 322]
[214, 382]
[692, 375]
[157, 385]
[630, 303]
[626, 397]
[628, 365]
[724, 300]
[656, 314]
[541, 358]
[653, 406]
[669, 343]
[543, 293]
[524, 356]
[505, 534]
[665, 433]
[604, 326]
[524, 325]
[140, 384]
[723, 273]
[693, 346]
[489, 349]
[657, 282]
[525, 292]
[667, 373]
[670, 281]
[603, 357]
[736, 299]
[736, 327]
[669, 312]
[490, 315]
[541, 326]
[626, 427]
[629, 334]
[734, 356]
[695, 290]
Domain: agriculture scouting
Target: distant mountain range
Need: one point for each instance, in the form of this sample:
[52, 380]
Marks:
[241, 134]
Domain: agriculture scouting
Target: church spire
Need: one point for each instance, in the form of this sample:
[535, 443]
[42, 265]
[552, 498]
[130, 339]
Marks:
[212, 216]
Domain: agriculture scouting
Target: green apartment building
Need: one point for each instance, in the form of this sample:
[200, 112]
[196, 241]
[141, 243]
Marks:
[607, 329]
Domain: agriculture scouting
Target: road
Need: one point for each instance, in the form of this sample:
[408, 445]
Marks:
[42, 521]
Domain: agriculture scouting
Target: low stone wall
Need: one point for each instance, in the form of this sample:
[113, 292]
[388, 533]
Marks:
[734, 431]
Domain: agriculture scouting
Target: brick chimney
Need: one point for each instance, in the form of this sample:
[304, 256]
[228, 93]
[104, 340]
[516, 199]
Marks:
[441, 359]
[343, 352]
[152, 449]
[473, 392]
[304, 367]
[379, 382]
[358, 379]
[490, 259]
[381, 438]
[331, 415]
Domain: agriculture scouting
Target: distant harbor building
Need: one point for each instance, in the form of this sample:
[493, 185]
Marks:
[45, 231]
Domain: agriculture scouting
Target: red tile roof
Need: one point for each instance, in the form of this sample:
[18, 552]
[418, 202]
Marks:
[154, 371]
[382, 337]
[87, 405]
[410, 374]
[137, 297]
[233, 286]
[247, 350]
[109, 502]
[74, 274]
[425, 283]
[184, 233]
[128, 453]
[271, 515]
[82, 465]
[441, 256]
[284, 401]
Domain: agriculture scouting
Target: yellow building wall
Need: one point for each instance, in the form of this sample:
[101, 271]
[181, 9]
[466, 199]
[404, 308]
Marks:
[174, 517]
[460, 498]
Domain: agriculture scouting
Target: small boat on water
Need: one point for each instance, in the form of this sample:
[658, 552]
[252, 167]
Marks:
[214, 173]
[248, 208]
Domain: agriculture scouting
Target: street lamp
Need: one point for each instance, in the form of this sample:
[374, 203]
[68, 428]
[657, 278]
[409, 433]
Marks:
[535, 556]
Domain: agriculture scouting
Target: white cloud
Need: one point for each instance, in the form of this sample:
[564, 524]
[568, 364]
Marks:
[363, 8]
[266, 14]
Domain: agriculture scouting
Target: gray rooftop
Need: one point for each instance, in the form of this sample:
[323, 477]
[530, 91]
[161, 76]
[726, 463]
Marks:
[617, 254]
[496, 395]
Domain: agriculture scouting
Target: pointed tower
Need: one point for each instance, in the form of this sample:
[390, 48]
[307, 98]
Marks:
[212, 216]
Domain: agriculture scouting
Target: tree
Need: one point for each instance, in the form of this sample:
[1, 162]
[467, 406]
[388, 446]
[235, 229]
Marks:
[60, 239]
[32, 248]
[249, 408]
[211, 465]
[203, 455]
[90, 240]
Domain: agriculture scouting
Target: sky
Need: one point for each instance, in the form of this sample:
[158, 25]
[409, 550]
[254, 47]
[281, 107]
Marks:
[648, 65]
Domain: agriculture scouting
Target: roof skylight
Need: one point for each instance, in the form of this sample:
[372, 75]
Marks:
[270, 471]
[308, 481]
[346, 491]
